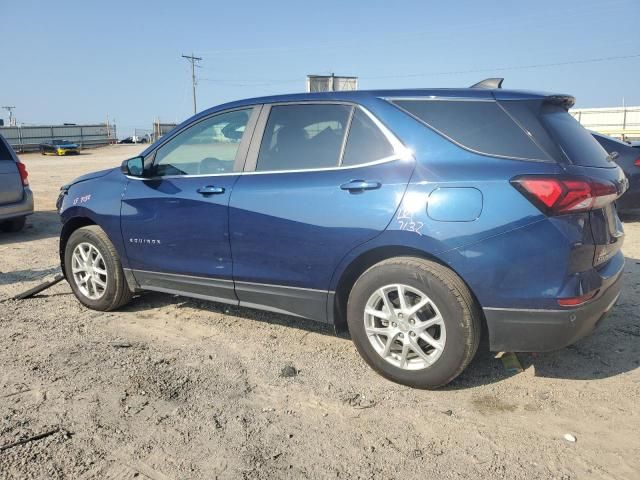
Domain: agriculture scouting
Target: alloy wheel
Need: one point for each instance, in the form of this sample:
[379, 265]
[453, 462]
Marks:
[89, 271]
[405, 327]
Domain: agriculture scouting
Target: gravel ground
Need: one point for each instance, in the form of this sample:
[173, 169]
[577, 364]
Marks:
[169, 387]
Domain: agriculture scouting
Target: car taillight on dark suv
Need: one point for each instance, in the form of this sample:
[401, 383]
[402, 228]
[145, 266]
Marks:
[561, 195]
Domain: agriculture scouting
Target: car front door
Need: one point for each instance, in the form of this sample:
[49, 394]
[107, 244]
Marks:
[175, 220]
[310, 193]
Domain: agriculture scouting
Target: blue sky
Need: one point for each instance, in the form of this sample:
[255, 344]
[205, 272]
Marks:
[77, 61]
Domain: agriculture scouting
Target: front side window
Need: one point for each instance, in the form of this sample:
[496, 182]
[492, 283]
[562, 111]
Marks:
[299, 137]
[208, 147]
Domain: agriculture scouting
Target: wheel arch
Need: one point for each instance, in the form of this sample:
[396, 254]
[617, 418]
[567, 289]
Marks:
[364, 261]
[68, 228]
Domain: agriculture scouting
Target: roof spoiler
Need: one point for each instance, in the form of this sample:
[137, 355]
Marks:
[565, 101]
[489, 83]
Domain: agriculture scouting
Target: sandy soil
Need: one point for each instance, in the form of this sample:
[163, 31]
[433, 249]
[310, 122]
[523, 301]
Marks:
[170, 387]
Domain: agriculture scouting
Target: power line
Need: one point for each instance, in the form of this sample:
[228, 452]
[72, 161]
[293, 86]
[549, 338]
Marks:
[268, 83]
[542, 22]
[516, 67]
[193, 61]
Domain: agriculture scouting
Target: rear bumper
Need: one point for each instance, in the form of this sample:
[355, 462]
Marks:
[515, 330]
[19, 209]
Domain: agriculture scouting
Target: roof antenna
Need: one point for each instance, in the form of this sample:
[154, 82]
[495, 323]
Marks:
[489, 83]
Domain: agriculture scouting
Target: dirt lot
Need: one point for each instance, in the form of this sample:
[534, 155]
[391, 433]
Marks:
[170, 387]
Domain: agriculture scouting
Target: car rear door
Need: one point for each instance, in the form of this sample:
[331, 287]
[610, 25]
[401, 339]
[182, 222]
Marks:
[310, 193]
[11, 189]
[175, 222]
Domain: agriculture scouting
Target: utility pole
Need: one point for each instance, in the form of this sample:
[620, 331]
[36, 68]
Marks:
[193, 61]
[11, 119]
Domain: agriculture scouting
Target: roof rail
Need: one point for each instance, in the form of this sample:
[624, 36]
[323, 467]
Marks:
[489, 83]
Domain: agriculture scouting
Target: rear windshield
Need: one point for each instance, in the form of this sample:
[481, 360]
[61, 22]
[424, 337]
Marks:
[481, 126]
[4, 151]
[576, 141]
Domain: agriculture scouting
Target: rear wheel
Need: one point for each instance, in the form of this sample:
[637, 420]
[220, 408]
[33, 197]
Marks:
[414, 321]
[13, 225]
[93, 270]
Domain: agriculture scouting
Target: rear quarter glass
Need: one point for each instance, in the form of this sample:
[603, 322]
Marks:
[481, 126]
[576, 142]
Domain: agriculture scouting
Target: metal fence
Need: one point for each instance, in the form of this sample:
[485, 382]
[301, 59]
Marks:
[160, 129]
[619, 122]
[28, 138]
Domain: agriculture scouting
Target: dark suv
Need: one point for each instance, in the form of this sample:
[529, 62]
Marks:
[16, 199]
[412, 217]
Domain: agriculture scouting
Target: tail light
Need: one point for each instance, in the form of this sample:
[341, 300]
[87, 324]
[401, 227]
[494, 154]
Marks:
[24, 175]
[637, 162]
[576, 301]
[560, 195]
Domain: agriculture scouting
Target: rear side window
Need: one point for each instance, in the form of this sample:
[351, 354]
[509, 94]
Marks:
[299, 137]
[4, 151]
[481, 126]
[576, 141]
[366, 143]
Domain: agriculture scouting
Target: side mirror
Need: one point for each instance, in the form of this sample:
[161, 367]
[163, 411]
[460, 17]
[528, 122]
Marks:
[133, 167]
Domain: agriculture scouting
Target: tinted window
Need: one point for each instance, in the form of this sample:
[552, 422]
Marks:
[208, 147]
[303, 136]
[4, 153]
[481, 126]
[575, 140]
[366, 143]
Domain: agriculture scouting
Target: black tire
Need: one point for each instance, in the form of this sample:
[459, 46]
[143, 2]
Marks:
[117, 291]
[461, 316]
[14, 225]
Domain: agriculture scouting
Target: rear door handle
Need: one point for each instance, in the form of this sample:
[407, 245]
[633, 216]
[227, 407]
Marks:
[210, 190]
[360, 185]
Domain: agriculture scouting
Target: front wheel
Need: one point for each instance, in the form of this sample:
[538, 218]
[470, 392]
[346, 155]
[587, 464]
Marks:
[93, 269]
[414, 321]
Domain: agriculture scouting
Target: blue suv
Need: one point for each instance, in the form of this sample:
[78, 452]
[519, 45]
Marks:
[414, 218]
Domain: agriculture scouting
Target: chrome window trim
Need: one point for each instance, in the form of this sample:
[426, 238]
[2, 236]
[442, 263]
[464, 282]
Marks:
[399, 149]
[391, 158]
[325, 169]
[201, 175]
[401, 152]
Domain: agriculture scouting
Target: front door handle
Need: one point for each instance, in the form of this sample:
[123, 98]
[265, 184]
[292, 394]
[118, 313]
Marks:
[355, 186]
[210, 190]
